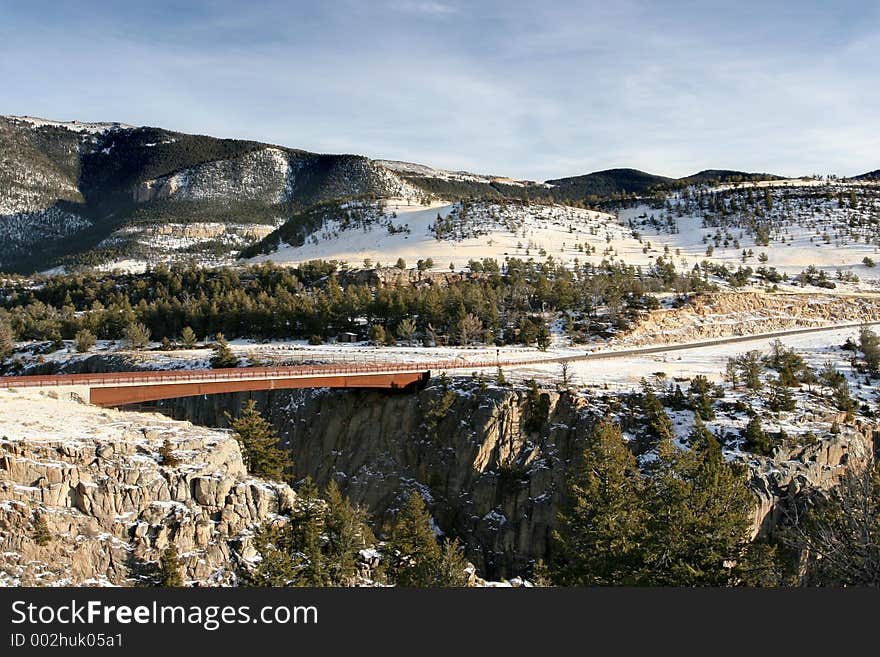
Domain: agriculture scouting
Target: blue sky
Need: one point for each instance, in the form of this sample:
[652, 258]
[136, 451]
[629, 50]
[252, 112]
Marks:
[526, 89]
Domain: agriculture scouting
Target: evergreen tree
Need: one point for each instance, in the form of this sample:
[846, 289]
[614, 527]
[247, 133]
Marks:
[308, 524]
[136, 335]
[780, 398]
[450, 569]
[538, 405]
[347, 534]
[698, 516]
[500, 379]
[598, 539]
[411, 545]
[377, 334]
[755, 439]
[658, 425]
[683, 520]
[223, 355]
[84, 340]
[541, 576]
[279, 563]
[188, 337]
[543, 339]
[869, 344]
[750, 370]
[259, 444]
[7, 343]
[702, 396]
[42, 535]
[169, 568]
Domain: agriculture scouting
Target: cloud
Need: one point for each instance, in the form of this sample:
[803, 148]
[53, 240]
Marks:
[424, 7]
[562, 90]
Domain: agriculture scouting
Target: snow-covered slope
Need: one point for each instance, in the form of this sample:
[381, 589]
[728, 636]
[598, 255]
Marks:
[781, 225]
[73, 126]
[462, 231]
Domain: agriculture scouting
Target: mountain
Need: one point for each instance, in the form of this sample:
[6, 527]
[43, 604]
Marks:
[608, 182]
[725, 176]
[107, 194]
[871, 175]
[89, 192]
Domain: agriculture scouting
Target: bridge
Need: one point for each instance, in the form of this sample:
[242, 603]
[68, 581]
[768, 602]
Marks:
[120, 388]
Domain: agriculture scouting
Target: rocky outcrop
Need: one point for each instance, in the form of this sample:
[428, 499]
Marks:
[708, 316]
[779, 480]
[97, 478]
[393, 277]
[488, 480]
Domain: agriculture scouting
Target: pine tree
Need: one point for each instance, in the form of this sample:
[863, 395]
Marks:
[223, 355]
[682, 520]
[538, 405]
[84, 340]
[702, 395]
[544, 339]
[347, 534]
[500, 379]
[658, 425]
[279, 563]
[541, 576]
[188, 337]
[411, 545]
[450, 569]
[7, 343]
[169, 568]
[136, 335]
[756, 439]
[869, 344]
[42, 535]
[698, 515]
[307, 525]
[597, 541]
[259, 444]
[780, 398]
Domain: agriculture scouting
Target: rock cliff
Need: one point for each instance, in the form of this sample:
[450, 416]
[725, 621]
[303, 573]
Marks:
[488, 479]
[708, 316]
[97, 478]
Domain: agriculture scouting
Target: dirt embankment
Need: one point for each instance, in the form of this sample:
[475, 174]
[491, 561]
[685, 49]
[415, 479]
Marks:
[730, 314]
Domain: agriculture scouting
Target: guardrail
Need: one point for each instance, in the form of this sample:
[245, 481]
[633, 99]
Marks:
[238, 374]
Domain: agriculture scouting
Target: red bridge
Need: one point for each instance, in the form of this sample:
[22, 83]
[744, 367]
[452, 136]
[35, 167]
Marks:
[119, 388]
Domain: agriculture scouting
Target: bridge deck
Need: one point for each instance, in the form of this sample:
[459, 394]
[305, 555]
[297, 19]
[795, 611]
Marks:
[118, 388]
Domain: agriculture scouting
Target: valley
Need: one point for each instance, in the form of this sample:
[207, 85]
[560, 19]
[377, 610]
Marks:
[646, 328]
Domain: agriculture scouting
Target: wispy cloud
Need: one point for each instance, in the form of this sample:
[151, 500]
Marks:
[560, 89]
[425, 7]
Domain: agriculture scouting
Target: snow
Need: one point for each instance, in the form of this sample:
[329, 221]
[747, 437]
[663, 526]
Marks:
[75, 126]
[497, 232]
[442, 174]
[625, 373]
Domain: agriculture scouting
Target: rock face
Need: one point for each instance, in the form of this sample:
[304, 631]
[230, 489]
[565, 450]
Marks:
[720, 315]
[791, 470]
[97, 479]
[487, 479]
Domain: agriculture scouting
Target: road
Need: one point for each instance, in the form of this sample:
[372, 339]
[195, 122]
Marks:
[128, 387]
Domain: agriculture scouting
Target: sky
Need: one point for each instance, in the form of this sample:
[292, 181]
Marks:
[532, 90]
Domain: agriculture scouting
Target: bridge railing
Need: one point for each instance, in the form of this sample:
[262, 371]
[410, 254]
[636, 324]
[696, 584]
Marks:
[237, 374]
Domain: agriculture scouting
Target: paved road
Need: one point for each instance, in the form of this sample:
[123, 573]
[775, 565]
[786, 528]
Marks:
[659, 349]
